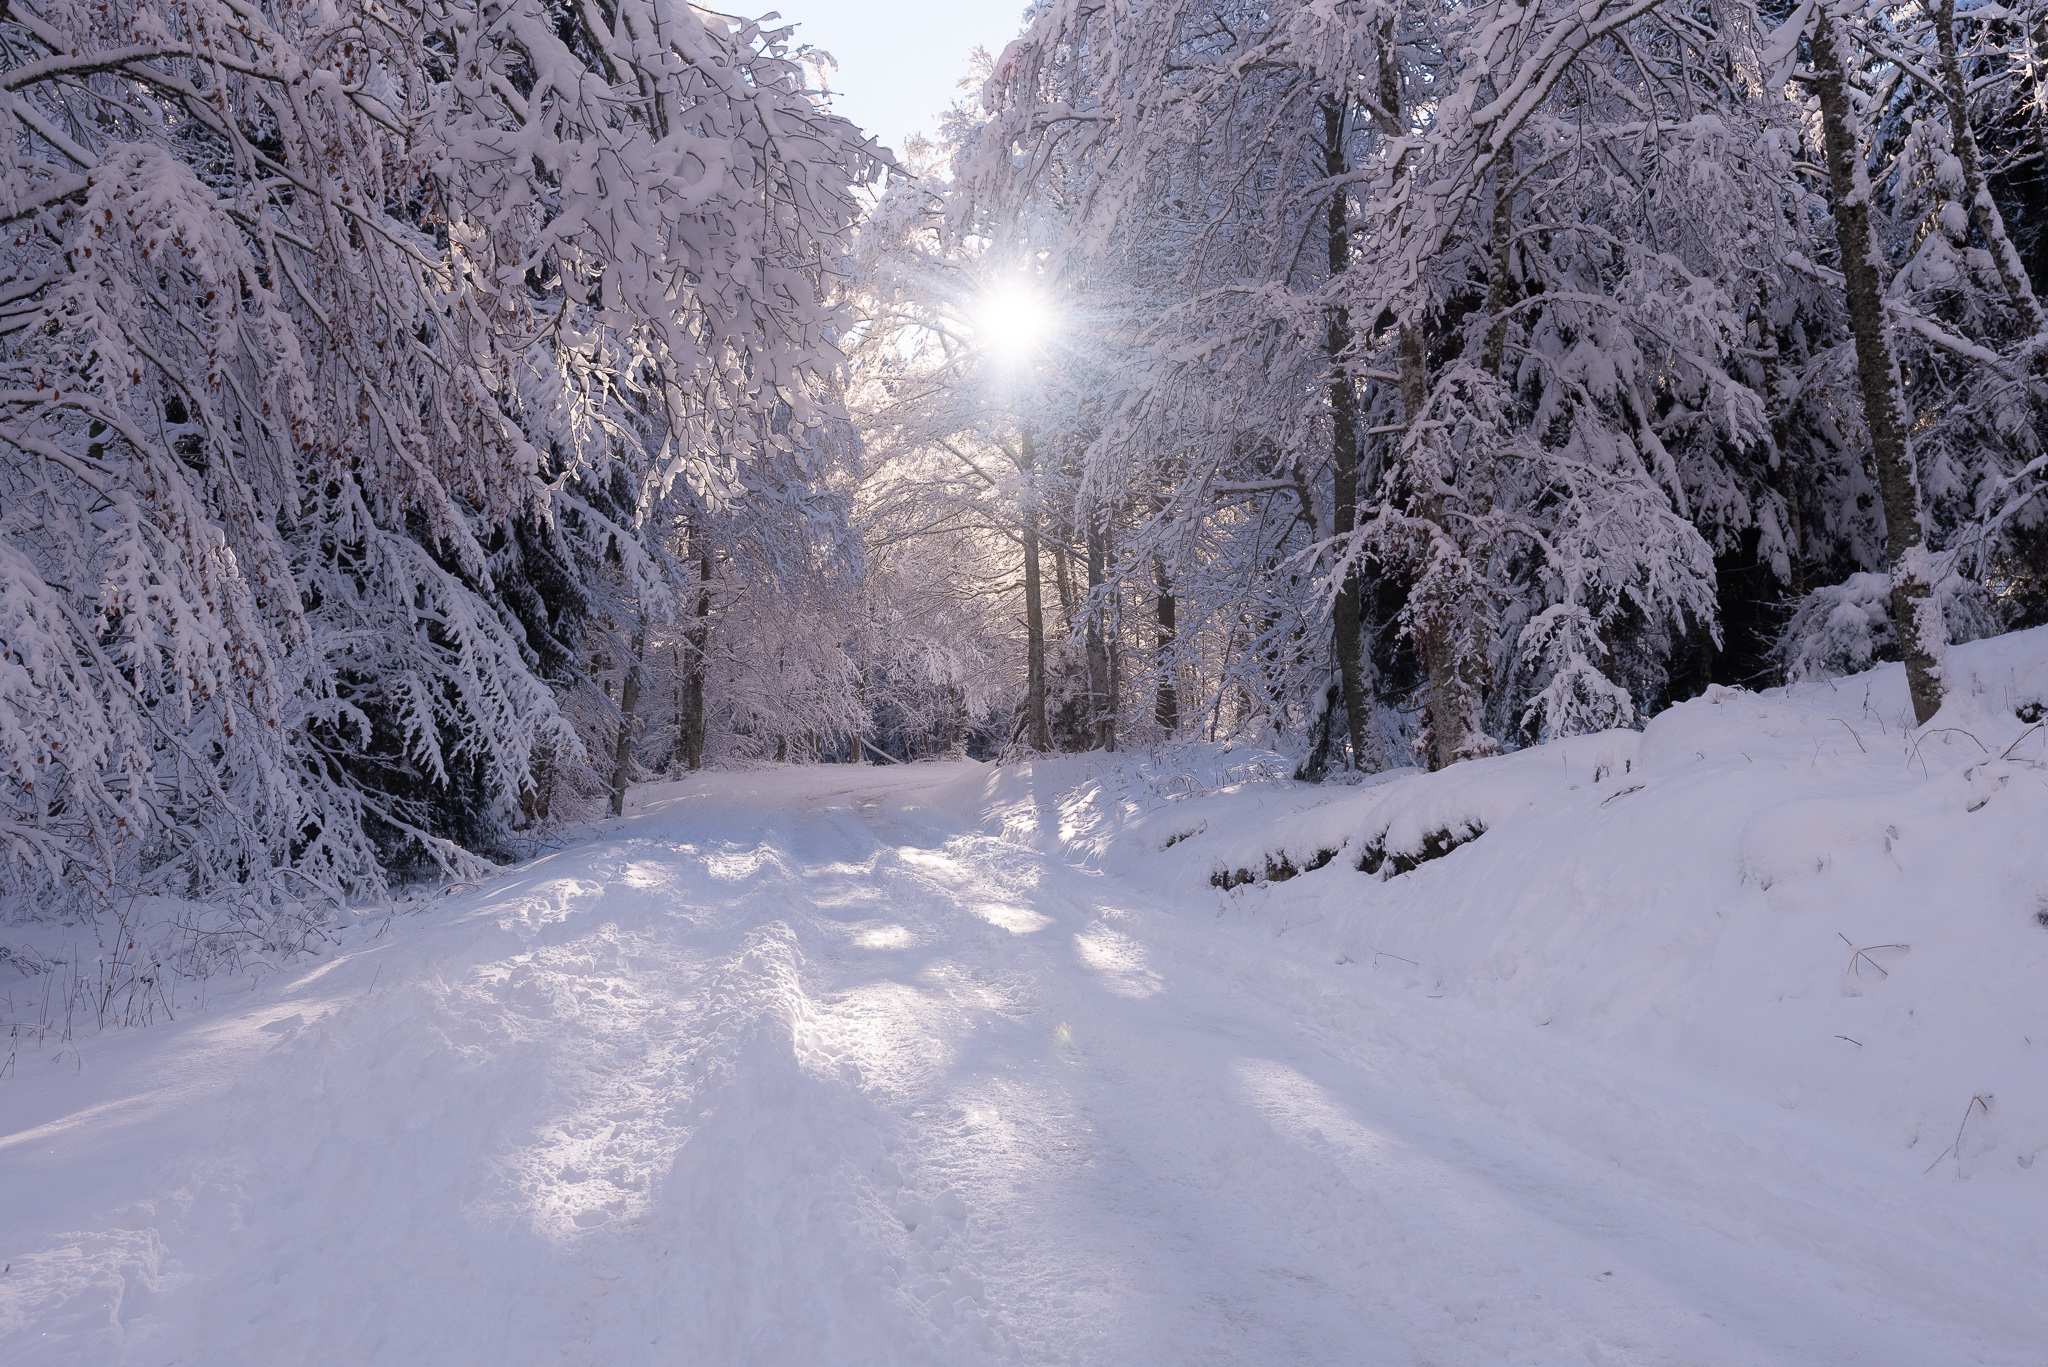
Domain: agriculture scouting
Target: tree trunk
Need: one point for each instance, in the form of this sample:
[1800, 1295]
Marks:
[1101, 720]
[860, 707]
[1036, 735]
[2036, 84]
[1984, 213]
[1448, 710]
[1500, 287]
[1915, 614]
[1779, 403]
[629, 702]
[1063, 575]
[1166, 705]
[1112, 630]
[676, 755]
[1316, 763]
[1453, 680]
[1346, 635]
[691, 712]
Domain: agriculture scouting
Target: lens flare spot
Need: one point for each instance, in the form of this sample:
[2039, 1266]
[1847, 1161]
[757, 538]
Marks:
[1014, 323]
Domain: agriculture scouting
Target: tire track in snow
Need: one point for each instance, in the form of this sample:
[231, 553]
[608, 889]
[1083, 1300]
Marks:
[590, 1116]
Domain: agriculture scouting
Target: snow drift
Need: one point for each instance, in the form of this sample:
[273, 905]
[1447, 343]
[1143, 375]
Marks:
[1793, 895]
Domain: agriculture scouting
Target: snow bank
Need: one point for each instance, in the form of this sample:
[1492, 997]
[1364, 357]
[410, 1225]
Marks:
[1792, 895]
[1077, 805]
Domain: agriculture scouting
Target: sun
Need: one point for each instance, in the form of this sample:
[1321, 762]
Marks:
[1013, 322]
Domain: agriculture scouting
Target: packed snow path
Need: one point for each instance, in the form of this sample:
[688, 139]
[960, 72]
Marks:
[806, 1068]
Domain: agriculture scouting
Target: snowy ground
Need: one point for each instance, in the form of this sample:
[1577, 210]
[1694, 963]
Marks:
[945, 1064]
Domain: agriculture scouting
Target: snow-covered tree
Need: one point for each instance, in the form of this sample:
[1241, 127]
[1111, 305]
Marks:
[324, 322]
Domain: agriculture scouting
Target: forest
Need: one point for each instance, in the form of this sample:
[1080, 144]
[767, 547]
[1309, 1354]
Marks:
[1325, 683]
[425, 419]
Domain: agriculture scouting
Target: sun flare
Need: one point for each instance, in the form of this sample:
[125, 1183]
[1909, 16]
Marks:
[1013, 322]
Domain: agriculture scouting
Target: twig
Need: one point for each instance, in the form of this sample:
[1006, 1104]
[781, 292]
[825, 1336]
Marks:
[1857, 1042]
[1864, 955]
[1956, 1147]
[2022, 736]
[1943, 730]
[1859, 740]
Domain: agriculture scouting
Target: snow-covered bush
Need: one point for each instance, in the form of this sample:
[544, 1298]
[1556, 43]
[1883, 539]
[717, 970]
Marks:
[1847, 627]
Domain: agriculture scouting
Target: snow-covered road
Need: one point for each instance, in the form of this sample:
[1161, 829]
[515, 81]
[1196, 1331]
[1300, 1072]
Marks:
[807, 1067]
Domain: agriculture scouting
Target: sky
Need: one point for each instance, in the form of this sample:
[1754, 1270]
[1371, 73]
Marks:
[899, 60]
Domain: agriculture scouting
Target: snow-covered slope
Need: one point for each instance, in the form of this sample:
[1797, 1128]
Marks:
[1791, 894]
[1717, 1044]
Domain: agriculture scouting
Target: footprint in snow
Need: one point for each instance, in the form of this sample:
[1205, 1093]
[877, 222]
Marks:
[946, 1205]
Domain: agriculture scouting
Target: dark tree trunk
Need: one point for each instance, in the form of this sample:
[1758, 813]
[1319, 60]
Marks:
[1915, 614]
[1984, 215]
[691, 712]
[1778, 401]
[1500, 286]
[1166, 706]
[1346, 636]
[1036, 735]
[1316, 763]
[1453, 679]
[2037, 98]
[622, 751]
[1101, 716]
[1449, 720]
[1112, 630]
[1063, 575]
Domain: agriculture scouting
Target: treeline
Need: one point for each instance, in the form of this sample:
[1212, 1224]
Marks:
[421, 423]
[394, 399]
[1418, 380]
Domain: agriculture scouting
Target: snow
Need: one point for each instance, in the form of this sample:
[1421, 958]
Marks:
[1677, 1061]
